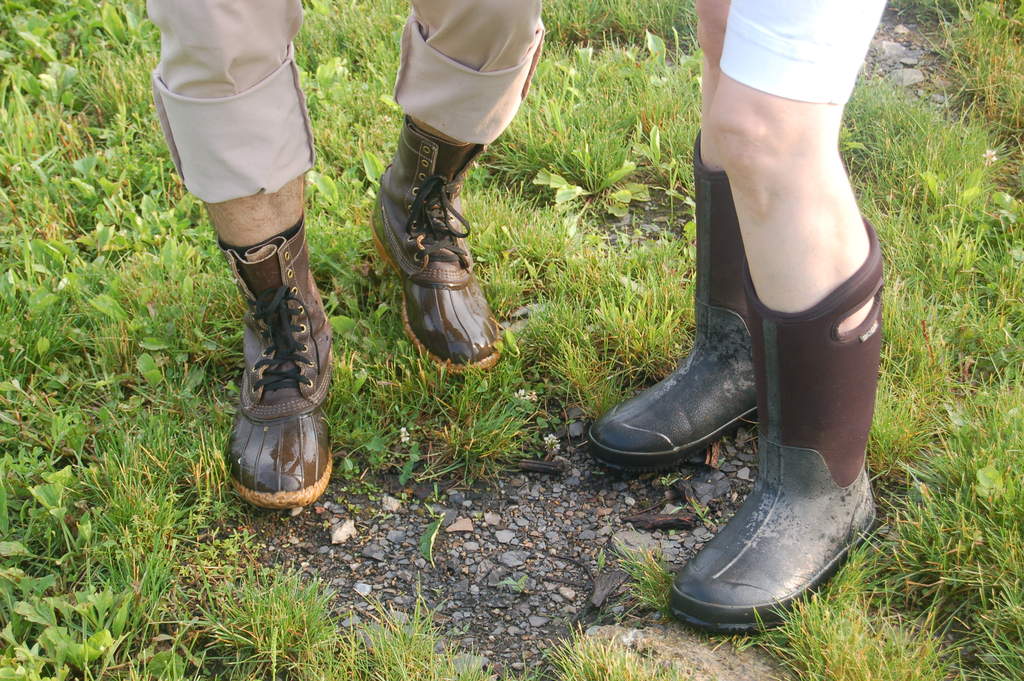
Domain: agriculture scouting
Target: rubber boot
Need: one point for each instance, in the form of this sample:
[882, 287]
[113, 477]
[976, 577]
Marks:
[712, 391]
[812, 499]
[419, 230]
[279, 453]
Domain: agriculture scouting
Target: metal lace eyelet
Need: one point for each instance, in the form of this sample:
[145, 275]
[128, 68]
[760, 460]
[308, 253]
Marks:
[421, 176]
[291, 273]
[295, 290]
[305, 348]
[287, 255]
[301, 309]
[415, 191]
[424, 163]
[302, 328]
[425, 149]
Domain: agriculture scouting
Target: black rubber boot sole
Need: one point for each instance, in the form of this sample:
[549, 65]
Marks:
[653, 462]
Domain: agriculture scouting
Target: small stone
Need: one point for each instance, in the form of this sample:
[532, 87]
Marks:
[576, 429]
[743, 473]
[362, 588]
[373, 551]
[892, 50]
[460, 525]
[466, 664]
[492, 518]
[939, 99]
[909, 61]
[504, 536]
[396, 536]
[342, 533]
[567, 593]
[907, 77]
[297, 510]
[630, 501]
[390, 504]
[631, 539]
[538, 621]
[471, 546]
[513, 559]
[900, 29]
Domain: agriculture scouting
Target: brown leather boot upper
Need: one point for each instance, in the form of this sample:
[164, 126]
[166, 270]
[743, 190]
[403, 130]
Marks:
[420, 230]
[279, 452]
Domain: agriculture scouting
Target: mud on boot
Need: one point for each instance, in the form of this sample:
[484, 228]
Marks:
[712, 391]
[812, 498]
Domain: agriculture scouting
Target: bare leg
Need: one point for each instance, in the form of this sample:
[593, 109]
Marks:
[712, 16]
[252, 219]
[801, 227]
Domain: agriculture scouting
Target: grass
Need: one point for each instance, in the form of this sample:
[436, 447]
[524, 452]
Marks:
[120, 345]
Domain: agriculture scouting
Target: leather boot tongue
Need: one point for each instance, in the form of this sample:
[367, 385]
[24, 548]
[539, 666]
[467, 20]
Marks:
[452, 159]
[259, 268]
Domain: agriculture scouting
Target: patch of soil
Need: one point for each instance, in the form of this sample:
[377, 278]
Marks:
[517, 563]
[906, 54]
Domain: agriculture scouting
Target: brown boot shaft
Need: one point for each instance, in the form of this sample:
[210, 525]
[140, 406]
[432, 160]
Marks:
[816, 387]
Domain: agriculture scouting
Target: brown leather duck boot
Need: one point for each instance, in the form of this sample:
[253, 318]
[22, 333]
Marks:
[812, 499]
[419, 229]
[712, 390]
[280, 453]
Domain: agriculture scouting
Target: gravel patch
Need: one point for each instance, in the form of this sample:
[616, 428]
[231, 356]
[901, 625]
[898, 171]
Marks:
[515, 563]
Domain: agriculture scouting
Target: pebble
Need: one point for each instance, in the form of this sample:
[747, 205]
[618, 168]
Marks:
[743, 473]
[343, 532]
[632, 539]
[907, 77]
[513, 559]
[467, 664]
[362, 588]
[538, 621]
[567, 593]
[460, 525]
[492, 518]
[892, 50]
[390, 504]
[504, 536]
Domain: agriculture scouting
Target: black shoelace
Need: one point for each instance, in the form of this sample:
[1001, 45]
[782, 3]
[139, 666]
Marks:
[432, 221]
[279, 368]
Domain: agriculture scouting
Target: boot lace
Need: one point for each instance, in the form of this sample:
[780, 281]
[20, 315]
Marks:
[433, 224]
[279, 368]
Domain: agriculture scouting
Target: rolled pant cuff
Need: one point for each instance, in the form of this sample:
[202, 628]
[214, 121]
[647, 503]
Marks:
[250, 143]
[463, 103]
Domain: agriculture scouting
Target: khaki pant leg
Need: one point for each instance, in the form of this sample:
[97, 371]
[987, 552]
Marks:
[466, 64]
[227, 93]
